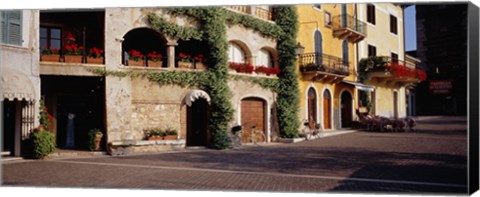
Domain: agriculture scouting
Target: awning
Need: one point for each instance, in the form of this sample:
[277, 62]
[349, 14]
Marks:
[194, 95]
[360, 86]
[16, 85]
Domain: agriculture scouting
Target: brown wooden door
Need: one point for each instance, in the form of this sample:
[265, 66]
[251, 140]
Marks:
[395, 104]
[326, 109]
[312, 106]
[346, 109]
[253, 113]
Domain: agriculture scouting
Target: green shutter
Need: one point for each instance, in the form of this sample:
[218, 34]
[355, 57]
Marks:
[15, 27]
[11, 27]
[3, 27]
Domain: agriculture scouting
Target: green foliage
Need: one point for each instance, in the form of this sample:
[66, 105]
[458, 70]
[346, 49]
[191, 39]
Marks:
[370, 63]
[43, 115]
[173, 30]
[364, 97]
[92, 136]
[266, 83]
[43, 143]
[288, 101]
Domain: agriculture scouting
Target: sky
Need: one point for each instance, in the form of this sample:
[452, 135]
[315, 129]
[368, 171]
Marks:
[410, 29]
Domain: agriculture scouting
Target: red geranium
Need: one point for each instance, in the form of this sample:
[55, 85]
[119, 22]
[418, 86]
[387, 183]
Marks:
[135, 55]
[95, 52]
[73, 49]
[154, 56]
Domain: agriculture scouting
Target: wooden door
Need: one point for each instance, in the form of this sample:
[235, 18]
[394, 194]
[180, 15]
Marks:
[253, 114]
[312, 106]
[346, 109]
[326, 109]
[395, 104]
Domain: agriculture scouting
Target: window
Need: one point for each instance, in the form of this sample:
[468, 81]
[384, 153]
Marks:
[328, 19]
[371, 14]
[345, 53]
[372, 51]
[318, 47]
[235, 53]
[11, 27]
[264, 58]
[318, 6]
[50, 38]
[394, 57]
[393, 24]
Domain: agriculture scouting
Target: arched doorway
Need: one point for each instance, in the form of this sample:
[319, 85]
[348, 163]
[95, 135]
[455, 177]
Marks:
[346, 109]
[327, 108]
[312, 105]
[253, 114]
[197, 123]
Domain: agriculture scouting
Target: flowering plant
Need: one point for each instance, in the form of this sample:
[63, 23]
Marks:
[154, 56]
[267, 70]
[200, 58]
[182, 57]
[95, 52]
[401, 71]
[73, 49]
[135, 55]
[49, 51]
[241, 67]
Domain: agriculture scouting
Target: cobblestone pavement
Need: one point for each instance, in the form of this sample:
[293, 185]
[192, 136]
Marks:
[430, 160]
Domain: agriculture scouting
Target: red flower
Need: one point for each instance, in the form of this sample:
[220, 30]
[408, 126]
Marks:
[50, 116]
[154, 56]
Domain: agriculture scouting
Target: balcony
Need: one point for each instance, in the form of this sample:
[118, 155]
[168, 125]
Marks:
[388, 72]
[323, 68]
[349, 28]
[262, 12]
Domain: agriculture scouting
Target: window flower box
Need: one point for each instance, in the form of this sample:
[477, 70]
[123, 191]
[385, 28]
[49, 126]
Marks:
[154, 59]
[154, 64]
[50, 58]
[95, 56]
[188, 65]
[135, 58]
[73, 58]
[135, 63]
[91, 60]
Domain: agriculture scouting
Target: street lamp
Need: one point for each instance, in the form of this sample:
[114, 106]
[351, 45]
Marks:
[299, 49]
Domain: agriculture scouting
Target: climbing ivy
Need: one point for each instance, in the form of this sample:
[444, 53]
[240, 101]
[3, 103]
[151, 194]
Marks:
[288, 101]
[266, 83]
[173, 30]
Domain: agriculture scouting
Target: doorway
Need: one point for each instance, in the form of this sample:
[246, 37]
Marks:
[346, 109]
[312, 105]
[395, 105]
[327, 108]
[197, 123]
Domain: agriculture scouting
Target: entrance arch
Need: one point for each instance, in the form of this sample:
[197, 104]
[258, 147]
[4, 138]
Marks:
[327, 108]
[346, 109]
[312, 105]
[253, 114]
[198, 113]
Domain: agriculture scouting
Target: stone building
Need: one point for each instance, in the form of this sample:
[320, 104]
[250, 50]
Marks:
[20, 81]
[124, 107]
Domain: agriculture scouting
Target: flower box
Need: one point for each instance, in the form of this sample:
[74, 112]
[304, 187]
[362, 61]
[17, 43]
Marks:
[155, 137]
[73, 58]
[170, 137]
[155, 64]
[200, 65]
[185, 65]
[135, 63]
[50, 58]
[91, 60]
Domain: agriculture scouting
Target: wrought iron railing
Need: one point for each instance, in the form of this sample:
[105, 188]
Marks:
[324, 63]
[345, 21]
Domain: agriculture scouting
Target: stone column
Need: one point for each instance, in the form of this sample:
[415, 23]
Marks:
[171, 54]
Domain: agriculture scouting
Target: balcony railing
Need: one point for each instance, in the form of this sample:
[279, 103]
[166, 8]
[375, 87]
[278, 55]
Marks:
[323, 67]
[263, 13]
[240, 8]
[391, 72]
[348, 27]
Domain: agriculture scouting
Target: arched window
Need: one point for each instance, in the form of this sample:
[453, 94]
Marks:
[312, 105]
[344, 15]
[264, 58]
[345, 53]
[318, 47]
[235, 53]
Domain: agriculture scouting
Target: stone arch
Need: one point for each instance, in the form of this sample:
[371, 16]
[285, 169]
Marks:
[145, 40]
[247, 53]
[273, 55]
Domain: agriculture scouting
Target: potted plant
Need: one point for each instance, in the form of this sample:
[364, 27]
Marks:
[184, 61]
[50, 55]
[170, 134]
[155, 134]
[73, 53]
[200, 62]
[95, 138]
[154, 59]
[135, 58]
[95, 56]
[241, 67]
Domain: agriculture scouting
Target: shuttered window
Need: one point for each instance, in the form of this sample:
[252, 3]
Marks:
[393, 24]
[11, 32]
[371, 14]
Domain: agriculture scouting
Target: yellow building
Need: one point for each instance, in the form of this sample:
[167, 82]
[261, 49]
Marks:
[326, 67]
[386, 39]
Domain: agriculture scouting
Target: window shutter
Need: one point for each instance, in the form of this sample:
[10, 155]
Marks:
[3, 27]
[15, 27]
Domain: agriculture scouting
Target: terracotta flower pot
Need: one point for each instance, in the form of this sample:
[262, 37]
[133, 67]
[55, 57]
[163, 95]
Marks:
[91, 60]
[50, 58]
[135, 63]
[185, 65]
[170, 137]
[73, 58]
[155, 137]
[200, 65]
[154, 64]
